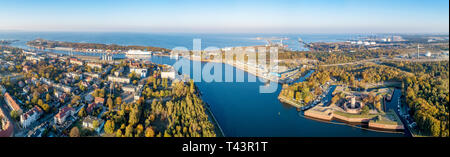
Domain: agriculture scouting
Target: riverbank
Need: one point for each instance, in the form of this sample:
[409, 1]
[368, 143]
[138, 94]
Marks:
[217, 128]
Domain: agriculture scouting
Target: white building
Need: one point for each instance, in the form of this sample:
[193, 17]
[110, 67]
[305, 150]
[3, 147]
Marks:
[76, 61]
[139, 71]
[94, 75]
[74, 75]
[88, 122]
[33, 58]
[119, 79]
[30, 117]
[107, 57]
[168, 72]
[62, 115]
[95, 65]
[129, 89]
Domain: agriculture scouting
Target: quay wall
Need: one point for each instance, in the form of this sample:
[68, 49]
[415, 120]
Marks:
[385, 126]
[318, 115]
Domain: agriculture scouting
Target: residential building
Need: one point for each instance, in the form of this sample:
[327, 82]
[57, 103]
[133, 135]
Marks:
[142, 72]
[64, 88]
[129, 89]
[26, 68]
[76, 61]
[95, 65]
[88, 122]
[91, 107]
[12, 103]
[99, 101]
[94, 75]
[74, 75]
[33, 58]
[168, 72]
[119, 79]
[62, 115]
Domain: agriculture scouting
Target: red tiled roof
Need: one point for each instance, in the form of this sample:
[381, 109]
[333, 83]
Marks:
[63, 112]
[91, 107]
[12, 102]
[33, 110]
[99, 100]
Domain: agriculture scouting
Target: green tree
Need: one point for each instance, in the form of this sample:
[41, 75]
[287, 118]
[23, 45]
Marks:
[118, 100]
[40, 102]
[110, 103]
[129, 131]
[109, 127]
[365, 110]
[139, 130]
[47, 98]
[82, 113]
[134, 116]
[149, 132]
[14, 114]
[119, 133]
[95, 124]
[46, 107]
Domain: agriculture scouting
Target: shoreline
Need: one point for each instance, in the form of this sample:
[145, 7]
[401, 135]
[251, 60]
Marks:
[330, 115]
[211, 116]
[354, 125]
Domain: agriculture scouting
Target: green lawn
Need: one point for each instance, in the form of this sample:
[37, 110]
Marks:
[390, 118]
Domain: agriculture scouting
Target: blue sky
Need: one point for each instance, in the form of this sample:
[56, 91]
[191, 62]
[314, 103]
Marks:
[252, 16]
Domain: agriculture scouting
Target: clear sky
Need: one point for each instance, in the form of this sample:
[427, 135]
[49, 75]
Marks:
[252, 16]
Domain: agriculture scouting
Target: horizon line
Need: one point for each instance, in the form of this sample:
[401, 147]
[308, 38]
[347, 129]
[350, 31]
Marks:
[209, 32]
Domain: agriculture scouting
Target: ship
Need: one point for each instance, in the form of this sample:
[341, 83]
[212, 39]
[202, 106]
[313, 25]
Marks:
[174, 56]
[138, 53]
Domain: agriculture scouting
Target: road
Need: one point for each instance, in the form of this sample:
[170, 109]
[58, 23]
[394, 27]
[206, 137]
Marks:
[7, 115]
[393, 104]
[352, 63]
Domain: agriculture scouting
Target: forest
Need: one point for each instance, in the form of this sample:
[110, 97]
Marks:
[162, 111]
[339, 57]
[427, 96]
